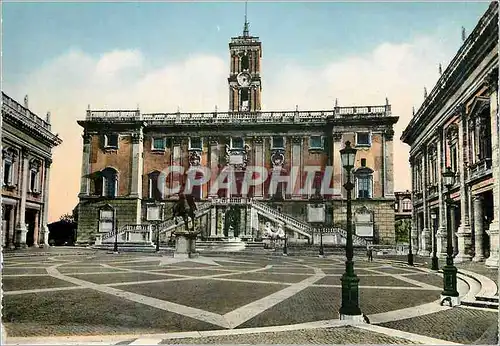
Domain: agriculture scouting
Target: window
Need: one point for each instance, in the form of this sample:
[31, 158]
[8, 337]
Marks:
[363, 162]
[244, 97]
[406, 204]
[316, 142]
[9, 158]
[106, 220]
[278, 142]
[396, 207]
[111, 141]
[158, 143]
[154, 191]
[363, 139]
[364, 186]
[34, 176]
[244, 62]
[237, 143]
[195, 143]
[110, 182]
[7, 172]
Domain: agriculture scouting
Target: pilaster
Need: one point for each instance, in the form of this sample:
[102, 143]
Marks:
[12, 233]
[464, 230]
[478, 228]
[336, 161]
[296, 161]
[213, 143]
[388, 157]
[213, 221]
[259, 162]
[136, 171]
[85, 180]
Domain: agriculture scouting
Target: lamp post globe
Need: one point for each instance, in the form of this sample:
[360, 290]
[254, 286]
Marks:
[450, 292]
[349, 310]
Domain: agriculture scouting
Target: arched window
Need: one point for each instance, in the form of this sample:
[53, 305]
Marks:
[244, 62]
[406, 204]
[154, 191]
[34, 176]
[364, 182]
[9, 160]
[110, 182]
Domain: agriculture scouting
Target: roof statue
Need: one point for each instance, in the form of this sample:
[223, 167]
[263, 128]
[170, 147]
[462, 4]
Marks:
[26, 101]
[425, 92]
[463, 34]
[440, 69]
[48, 117]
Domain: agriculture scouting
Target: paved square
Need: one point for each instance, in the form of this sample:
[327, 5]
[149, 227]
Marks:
[139, 294]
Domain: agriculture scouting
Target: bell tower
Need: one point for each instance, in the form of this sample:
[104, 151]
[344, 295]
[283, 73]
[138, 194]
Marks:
[245, 86]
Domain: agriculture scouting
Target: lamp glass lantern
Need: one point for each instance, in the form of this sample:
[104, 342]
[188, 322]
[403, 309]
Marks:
[448, 178]
[348, 155]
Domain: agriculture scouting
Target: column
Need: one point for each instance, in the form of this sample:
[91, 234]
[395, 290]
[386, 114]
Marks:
[259, 161]
[296, 163]
[12, 233]
[214, 164]
[478, 228]
[136, 176]
[464, 232]
[426, 235]
[45, 216]
[492, 261]
[85, 180]
[441, 232]
[388, 157]
[21, 229]
[36, 229]
[414, 227]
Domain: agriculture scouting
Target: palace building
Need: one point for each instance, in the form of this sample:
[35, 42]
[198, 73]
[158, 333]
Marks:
[457, 126]
[27, 143]
[126, 151]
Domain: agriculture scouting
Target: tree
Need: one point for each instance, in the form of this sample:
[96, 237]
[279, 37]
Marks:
[402, 228]
[67, 218]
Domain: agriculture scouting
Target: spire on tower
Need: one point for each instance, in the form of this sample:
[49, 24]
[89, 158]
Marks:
[245, 26]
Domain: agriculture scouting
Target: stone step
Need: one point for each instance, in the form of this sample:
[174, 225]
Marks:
[480, 304]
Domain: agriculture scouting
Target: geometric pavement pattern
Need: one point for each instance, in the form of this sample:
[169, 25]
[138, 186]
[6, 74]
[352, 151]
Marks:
[104, 294]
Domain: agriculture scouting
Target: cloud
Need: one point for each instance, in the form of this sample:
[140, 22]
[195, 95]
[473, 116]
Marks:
[121, 79]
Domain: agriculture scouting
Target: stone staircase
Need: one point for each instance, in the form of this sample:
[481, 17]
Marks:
[483, 292]
[300, 226]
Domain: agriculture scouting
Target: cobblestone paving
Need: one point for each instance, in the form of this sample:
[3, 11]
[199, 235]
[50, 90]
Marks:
[339, 335]
[114, 300]
[17, 283]
[459, 325]
[86, 312]
[210, 295]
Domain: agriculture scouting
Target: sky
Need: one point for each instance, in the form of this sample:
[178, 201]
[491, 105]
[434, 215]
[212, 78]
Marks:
[168, 55]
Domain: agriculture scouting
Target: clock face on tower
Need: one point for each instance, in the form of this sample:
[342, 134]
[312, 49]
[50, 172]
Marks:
[243, 79]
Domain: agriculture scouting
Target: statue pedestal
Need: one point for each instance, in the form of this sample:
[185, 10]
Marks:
[185, 245]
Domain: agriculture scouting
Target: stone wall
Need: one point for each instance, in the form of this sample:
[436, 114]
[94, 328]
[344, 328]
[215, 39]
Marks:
[88, 216]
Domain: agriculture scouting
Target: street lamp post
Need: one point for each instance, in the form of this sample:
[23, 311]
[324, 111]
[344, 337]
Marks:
[435, 261]
[410, 253]
[349, 309]
[321, 250]
[285, 248]
[450, 292]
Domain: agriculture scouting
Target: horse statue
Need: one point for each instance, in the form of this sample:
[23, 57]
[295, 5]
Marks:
[185, 207]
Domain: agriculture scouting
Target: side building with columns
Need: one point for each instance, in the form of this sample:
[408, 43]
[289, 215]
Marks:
[457, 126]
[27, 143]
[125, 152]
